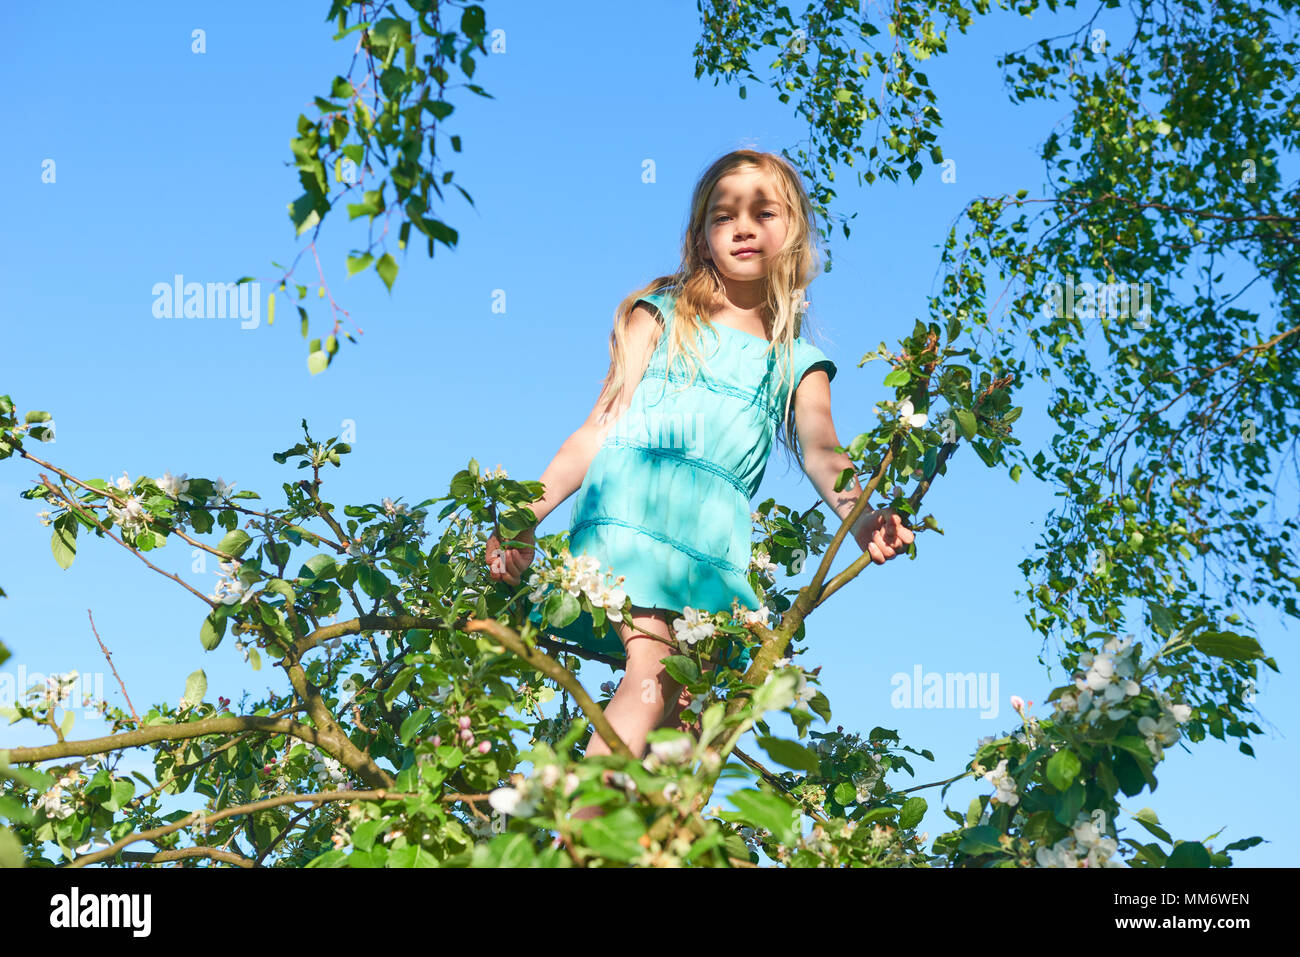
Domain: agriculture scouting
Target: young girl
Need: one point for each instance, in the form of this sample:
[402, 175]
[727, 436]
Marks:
[705, 365]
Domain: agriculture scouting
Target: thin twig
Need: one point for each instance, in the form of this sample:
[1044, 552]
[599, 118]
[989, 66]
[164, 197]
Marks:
[109, 655]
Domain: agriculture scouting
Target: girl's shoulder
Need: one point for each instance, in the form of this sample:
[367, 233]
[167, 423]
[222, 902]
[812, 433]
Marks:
[661, 301]
[806, 357]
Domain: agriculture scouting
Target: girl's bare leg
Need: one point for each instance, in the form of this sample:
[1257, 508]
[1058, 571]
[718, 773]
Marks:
[643, 698]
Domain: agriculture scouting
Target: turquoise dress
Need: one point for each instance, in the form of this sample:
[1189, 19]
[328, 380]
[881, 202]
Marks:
[666, 500]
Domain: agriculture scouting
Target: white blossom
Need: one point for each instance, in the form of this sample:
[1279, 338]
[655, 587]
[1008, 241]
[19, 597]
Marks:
[173, 486]
[673, 751]
[762, 561]
[909, 416]
[880, 836]
[58, 689]
[1060, 854]
[1158, 733]
[229, 588]
[131, 515]
[512, 801]
[818, 537]
[1088, 845]
[220, 491]
[328, 771]
[580, 575]
[1005, 784]
[804, 693]
[52, 801]
[693, 625]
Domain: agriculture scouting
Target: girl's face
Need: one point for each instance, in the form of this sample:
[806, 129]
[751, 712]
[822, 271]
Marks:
[744, 225]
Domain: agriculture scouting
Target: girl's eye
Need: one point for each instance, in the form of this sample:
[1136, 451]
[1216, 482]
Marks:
[721, 217]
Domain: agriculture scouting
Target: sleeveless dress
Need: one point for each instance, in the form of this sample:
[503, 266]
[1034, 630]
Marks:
[666, 499]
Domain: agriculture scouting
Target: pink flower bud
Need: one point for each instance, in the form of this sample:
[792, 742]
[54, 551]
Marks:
[1017, 702]
[464, 721]
[484, 747]
[437, 740]
[467, 735]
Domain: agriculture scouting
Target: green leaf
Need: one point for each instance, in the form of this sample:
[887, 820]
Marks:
[898, 377]
[1161, 620]
[1062, 768]
[1189, 854]
[511, 850]
[412, 725]
[966, 423]
[196, 686]
[413, 856]
[1147, 818]
[363, 838]
[766, 810]
[235, 543]
[302, 211]
[561, 608]
[212, 630]
[791, 754]
[318, 566]
[33, 418]
[63, 543]
[912, 812]
[358, 263]
[615, 835]
[682, 668]
[317, 361]
[373, 582]
[982, 839]
[11, 849]
[1223, 644]
[387, 269]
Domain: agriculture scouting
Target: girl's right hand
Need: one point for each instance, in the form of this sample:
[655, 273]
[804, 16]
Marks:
[509, 564]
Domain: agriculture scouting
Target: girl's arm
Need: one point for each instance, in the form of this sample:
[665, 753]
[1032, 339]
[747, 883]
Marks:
[564, 475]
[881, 532]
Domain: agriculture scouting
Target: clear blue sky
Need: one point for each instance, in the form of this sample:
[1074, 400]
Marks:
[172, 162]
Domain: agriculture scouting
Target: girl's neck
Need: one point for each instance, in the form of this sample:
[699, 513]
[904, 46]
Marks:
[749, 323]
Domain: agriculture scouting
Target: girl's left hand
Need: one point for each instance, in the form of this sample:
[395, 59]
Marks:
[883, 535]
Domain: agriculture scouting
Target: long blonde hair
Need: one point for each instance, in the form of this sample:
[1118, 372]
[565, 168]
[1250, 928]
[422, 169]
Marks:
[698, 289]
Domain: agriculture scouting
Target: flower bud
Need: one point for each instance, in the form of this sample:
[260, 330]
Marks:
[437, 740]
[484, 747]
[464, 721]
[466, 734]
